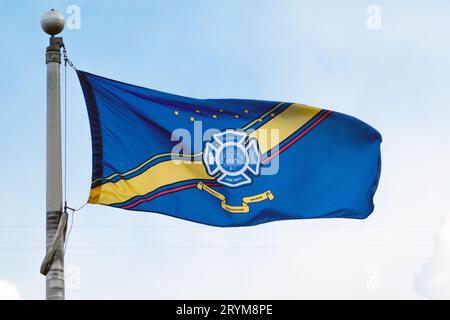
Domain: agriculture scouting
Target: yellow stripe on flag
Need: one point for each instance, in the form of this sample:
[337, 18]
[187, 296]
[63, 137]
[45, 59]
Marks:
[286, 123]
[172, 171]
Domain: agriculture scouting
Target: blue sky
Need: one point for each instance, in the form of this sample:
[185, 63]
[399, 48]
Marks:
[319, 53]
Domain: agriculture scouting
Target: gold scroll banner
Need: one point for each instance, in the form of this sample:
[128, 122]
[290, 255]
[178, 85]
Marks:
[244, 208]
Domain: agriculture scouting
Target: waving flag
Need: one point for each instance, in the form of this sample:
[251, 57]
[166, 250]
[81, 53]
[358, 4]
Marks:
[227, 162]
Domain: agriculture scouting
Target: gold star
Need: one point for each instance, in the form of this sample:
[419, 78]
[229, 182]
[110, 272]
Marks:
[214, 116]
[176, 113]
[197, 111]
[260, 120]
[246, 111]
[191, 118]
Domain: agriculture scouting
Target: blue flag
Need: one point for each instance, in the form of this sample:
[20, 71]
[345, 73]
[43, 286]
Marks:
[227, 162]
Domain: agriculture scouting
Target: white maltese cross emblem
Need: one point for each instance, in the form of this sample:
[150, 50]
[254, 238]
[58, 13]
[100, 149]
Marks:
[230, 155]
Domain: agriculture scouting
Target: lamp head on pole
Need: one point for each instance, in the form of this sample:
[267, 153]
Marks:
[52, 22]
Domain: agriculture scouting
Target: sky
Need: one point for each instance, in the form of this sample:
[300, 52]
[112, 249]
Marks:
[385, 62]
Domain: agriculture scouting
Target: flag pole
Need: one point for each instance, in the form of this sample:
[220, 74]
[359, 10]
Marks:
[53, 23]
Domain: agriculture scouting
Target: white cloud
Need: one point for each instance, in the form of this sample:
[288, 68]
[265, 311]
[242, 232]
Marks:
[9, 291]
[433, 281]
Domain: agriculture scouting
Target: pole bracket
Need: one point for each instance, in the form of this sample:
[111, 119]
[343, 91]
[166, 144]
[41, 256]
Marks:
[53, 53]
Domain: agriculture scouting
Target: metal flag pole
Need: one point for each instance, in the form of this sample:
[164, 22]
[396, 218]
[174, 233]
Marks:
[53, 23]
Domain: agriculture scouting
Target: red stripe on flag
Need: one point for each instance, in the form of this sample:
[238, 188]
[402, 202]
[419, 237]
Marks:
[168, 191]
[326, 114]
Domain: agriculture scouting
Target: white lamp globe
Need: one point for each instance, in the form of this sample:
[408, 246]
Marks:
[52, 22]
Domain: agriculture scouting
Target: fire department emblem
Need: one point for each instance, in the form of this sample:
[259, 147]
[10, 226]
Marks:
[233, 155]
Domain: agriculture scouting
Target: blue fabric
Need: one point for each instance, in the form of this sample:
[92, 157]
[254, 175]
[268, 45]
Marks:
[331, 172]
